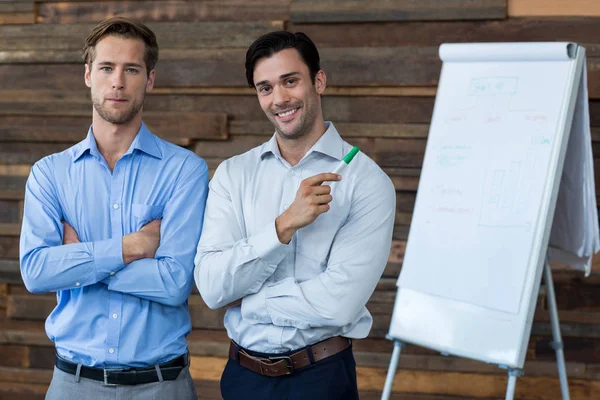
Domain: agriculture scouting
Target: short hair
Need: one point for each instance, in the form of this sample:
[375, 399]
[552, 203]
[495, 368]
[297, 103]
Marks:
[274, 42]
[125, 28]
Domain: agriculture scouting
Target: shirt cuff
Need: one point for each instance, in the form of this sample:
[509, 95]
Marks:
[268, 247]
[108, 257]
[254, 308]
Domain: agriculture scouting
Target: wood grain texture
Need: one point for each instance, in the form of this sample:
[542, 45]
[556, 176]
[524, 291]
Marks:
[422, 34]
[170, 126]
[185, 11]
[530, 8]
[36, 43]
[394, 10]
[382, 67]
[17, 18]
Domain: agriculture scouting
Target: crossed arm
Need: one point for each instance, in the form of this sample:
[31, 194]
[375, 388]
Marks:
[139, 264]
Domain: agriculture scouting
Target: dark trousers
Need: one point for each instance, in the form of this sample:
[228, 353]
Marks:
[333, 378]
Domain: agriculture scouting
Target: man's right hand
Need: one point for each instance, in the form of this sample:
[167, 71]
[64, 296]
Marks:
[142, 244]
[312, 200]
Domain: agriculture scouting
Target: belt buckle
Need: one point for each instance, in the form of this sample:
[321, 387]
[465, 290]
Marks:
[106, 370]
[290, 363]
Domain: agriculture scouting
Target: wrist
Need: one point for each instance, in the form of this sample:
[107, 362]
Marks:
[284, 229]
[132, 248]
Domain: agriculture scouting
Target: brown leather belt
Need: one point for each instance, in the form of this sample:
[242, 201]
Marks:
[286, 365]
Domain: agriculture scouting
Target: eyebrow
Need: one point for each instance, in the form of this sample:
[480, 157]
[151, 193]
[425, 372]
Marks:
[280, 77]
[111, 64]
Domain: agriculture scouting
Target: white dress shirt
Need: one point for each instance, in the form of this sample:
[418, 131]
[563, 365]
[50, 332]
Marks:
[316, 286]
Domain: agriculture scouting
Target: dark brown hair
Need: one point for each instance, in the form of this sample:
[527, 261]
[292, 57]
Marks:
[271, 43]
[125, 28]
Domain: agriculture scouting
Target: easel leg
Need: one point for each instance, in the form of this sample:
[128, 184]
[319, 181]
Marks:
[389, 380]
[557, 343]
[513, 374]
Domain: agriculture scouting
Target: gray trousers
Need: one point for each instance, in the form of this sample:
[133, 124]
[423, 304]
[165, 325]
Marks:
[68, 387]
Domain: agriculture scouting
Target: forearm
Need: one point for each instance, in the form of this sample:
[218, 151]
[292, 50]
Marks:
[71, 266]
[161, 280]
[305, 305]
[134, 248]
[225, 275]
[335, 296]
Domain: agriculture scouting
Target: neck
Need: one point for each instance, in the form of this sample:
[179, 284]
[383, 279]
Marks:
[114, 140]
[293, 150]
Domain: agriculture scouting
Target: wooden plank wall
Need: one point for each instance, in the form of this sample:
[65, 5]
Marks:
[381, 60]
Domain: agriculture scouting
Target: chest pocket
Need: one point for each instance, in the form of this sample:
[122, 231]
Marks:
[141, 214]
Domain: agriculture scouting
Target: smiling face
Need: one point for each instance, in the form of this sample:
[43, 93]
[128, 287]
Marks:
[118, 79]
[287, 95]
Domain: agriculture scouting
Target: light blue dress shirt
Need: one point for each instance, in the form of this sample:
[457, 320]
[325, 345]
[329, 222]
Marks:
[109, 314]
[316, 286]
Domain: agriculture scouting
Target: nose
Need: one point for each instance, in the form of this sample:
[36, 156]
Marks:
[118, 81]
[280, 96]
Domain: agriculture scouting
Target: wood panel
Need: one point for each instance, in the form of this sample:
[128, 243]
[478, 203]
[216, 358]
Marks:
[30, 307]
[19, 12]
[9, 211]
[529, 8]
[400, 66]
[178, 127]
[422, 34]
[170, 35]
[365, 109]
[386, 10]
[9, 271]
[183, 11]
[382, 68]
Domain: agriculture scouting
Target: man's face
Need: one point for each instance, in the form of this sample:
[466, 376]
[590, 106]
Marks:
[118, 79]
[286, 93]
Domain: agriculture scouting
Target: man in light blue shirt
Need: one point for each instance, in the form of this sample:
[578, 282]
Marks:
[111, 225]
[295, 258]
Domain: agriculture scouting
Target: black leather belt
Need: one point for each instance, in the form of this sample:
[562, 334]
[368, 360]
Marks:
[130, 376]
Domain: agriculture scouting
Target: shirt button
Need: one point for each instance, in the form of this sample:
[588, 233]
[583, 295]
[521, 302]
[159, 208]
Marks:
[293, 173]
[112, 273]
[115, 206]
[255, 316]
[115, 316]
[285, 207]
[111, 350]
[77, 284]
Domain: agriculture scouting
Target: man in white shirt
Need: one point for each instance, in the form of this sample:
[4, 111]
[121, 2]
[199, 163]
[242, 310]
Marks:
[294, 250]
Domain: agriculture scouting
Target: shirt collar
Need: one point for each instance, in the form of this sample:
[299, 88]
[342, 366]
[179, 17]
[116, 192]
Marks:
[330, 143]
[144, 141]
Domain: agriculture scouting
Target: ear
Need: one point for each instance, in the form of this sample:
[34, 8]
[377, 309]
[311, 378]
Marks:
[150, 82]
[87, 77]
[320, 82]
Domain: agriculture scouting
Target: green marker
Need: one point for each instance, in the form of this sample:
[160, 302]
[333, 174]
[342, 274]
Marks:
[346, 160]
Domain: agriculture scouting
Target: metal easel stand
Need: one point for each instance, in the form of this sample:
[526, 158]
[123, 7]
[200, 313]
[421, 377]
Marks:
[557, 344]
[389, 380]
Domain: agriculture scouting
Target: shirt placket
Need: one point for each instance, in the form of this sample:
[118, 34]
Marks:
[286, 268]
[115, 299]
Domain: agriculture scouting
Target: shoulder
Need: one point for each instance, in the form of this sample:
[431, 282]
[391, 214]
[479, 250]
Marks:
[240, 166]
[367, 177]
[60, 161]
[179, 156]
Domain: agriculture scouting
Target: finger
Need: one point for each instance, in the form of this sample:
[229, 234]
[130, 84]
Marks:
[320, 178]
[320, 190]
[323, 208]
[324, 199]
